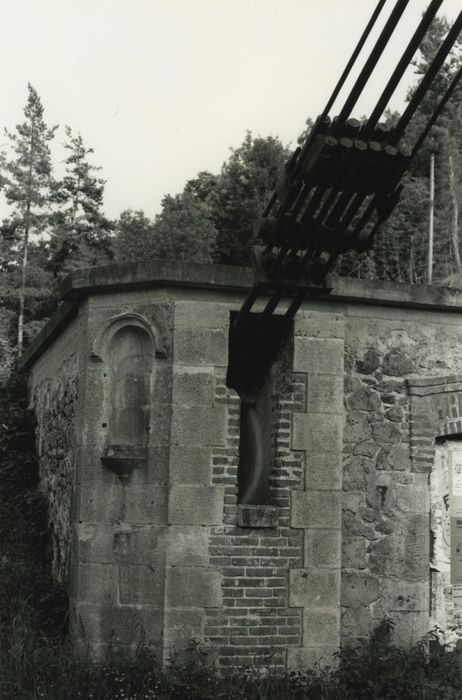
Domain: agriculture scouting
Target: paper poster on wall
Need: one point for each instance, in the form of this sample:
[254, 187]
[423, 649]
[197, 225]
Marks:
[457, 473]
[455, 508]
[455, 482]
[456, 551]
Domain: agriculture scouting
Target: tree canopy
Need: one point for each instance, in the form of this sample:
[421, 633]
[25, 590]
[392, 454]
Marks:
[55, 225]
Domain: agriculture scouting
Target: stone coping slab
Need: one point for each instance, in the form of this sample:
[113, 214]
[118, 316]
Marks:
[82, 283]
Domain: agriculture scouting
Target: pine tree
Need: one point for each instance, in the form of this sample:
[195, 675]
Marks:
[80, 232]
[27, 179]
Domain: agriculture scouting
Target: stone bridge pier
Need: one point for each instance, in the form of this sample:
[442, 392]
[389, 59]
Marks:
[276, 529]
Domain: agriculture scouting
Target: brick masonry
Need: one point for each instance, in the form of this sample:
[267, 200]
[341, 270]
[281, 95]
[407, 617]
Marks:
[256, 622]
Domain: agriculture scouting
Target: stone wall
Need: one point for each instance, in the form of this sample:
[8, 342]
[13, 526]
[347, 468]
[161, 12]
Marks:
[163, 552]
[120, 505]
[398, 400]
[54, 402]
[54, 398]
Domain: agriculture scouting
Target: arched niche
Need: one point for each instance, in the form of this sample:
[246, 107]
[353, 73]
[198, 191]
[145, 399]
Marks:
[130, 357]
[130, 368]
[103, 340]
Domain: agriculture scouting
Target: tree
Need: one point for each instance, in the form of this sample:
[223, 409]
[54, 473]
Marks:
[212, 219]
[27, 179]
[134, 237]
[184, 230]
[399, 252]
[242, 191]
[445, 142]
[80, 232]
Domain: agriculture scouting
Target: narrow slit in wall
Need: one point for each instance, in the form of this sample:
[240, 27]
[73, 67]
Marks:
[252, 373]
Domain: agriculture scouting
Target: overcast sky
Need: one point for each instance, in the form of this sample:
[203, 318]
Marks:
[161, 89]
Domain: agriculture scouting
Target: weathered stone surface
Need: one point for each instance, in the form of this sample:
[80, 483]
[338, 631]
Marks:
[359, 589]
[318, 355]
[199, 425]
[190, 314]
[144, 505]
[141, 585]
[356, 471]
[314, 588]
[401, 596]
[187, 545]
[354, 526]
[324, 471]
[156, 471]
[354, 553]
[367, 448]
[116, 502]
[182, 626]
[106, 543]
[369, 362]
[386, 432]
[394, 457]
[162, 382]
[352, 500]
[404, 554]
[117, 624]
[412, 498]
[193, 346]
[160, 422]
[317, 432]
[139, 544]
[193, 385]
[356, 622]
[320, 325]
[190, 465]
[395, 413]
[351, 383]
[323, 548]
[94, 542]
[193, 587]
[357, 428]
[364, 400]
[195, 505]
[325, 393]
[321, 628]
[397, 363]
[316, 509]
[96, 583]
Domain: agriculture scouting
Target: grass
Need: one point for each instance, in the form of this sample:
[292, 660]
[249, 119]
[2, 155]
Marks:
[35, 666]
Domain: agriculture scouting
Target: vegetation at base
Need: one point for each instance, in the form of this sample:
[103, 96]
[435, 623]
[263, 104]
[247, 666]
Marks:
[33, 667]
